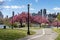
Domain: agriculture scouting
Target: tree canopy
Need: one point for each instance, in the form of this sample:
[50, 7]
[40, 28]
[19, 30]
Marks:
[58, 17]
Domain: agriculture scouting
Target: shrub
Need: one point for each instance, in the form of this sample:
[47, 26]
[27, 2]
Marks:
[15, 25]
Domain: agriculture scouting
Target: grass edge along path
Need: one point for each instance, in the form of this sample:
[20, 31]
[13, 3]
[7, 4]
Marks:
[58, 32]
[31, 28]
[12, 34]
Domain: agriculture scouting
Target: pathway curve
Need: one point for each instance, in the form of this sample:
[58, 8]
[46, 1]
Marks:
[42, 34]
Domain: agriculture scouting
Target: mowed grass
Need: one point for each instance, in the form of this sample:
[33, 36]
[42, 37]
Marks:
[12, 34]
[31, 28]
[35, 28]
[58, 31]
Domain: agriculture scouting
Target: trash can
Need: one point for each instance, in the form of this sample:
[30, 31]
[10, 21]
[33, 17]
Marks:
[4, 27]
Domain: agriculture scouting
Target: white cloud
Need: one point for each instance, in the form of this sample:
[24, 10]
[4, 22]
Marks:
[56, 8]
[4, 0]
[14, 7]
[1, 0]
[48, 11]
[6, 6]
[36, 0]
[32, 9]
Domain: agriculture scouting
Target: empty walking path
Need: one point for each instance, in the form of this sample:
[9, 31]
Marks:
[42, 34]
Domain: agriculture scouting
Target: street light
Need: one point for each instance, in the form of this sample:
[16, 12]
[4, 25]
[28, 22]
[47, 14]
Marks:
[12, 18]
[28, 20]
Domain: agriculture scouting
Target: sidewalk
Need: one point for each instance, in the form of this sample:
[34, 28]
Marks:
[49, 35]
[38, 32]
[46, 34]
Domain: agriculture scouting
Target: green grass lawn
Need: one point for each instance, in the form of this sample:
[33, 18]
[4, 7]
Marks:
[58, 31]
[35, 28]
[12, 34]
[31, 28]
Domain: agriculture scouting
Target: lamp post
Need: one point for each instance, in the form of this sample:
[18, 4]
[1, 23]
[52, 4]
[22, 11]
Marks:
[12, 18]
[28, 20]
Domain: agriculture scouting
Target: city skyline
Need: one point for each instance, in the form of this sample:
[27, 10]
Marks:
[7, 6]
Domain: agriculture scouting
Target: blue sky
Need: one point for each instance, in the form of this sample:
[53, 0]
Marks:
[7, 6]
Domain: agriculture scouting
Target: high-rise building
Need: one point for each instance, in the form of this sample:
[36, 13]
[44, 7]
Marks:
[33, 14]
[40, 12]
[44, 12]
[1, 15]
[1, 18]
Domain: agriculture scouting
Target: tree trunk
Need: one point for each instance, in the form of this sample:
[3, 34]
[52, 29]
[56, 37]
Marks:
[21, 23]
[40, 25]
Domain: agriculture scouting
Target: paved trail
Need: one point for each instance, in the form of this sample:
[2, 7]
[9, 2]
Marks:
[43, 34]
